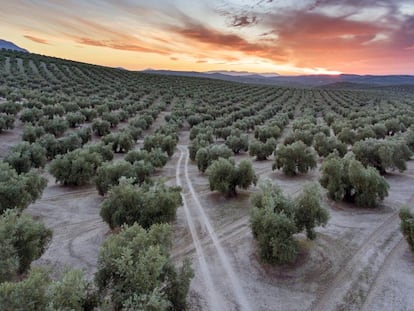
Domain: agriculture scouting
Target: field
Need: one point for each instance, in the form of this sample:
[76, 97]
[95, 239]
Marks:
[359, 260]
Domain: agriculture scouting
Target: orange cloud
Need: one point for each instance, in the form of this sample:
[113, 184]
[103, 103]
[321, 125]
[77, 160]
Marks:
[119, 45]
[37, 40]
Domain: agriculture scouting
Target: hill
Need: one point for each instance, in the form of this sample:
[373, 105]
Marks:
[7, 45]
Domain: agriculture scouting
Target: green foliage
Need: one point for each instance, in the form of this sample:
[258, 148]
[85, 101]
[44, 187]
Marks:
[120, 142]
[71, 293]
[325, 145]
[407, 225]
[105, 151]
[275, 218]
[196, 145]
[262, 150]
[56, 126]
[28, 294]
[32, 133]
[6, 122]
[348, 179]
[347, 136]
[75, 168]
[274, 233]
[18, 191]
[146, 205]
[85, 134]
[156, 157]
[295, 158]
[112, 118]
[309, 212]
[238, 143]
[25, 156]
[31, 115]
[206, 156]
[75, 118]
[10, 108]
[38, 293]
[135, 270]
[383, 154]
[166, 143]
[101, 127]
[368, 186]
[24, 238]
[109, 173]
[409, 139]
[263, 133]
[224, 176]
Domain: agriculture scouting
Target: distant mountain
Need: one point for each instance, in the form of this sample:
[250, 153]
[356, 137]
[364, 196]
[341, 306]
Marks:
[244, 73]
[233, 76]
[329, 81]
[11, 46]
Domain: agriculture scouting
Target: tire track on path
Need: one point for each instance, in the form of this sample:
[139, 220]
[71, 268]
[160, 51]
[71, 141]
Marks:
[240, 297]
[335, 289]
[214, 298]
[397, 250]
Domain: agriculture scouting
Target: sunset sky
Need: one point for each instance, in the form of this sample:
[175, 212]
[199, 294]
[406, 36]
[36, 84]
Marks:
[287, 37]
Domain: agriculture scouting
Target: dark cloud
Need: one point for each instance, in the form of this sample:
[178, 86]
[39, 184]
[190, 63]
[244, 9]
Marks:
[243, 21]
[226, 41]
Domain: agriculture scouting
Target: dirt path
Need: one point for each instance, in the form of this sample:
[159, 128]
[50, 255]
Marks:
[380, 279]
[214, 300]
[78, 230]
[368, 265]
[336, 290]
[232, 279]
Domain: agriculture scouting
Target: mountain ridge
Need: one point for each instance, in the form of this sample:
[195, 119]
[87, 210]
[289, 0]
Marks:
[7, 45]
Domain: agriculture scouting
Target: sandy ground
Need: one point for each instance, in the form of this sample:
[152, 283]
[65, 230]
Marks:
[358, 262]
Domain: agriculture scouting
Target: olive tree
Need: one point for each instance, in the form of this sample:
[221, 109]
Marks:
[156, 157]
[25, 156]
[146, 205]
[24, 240]
[262, 150]
[273, 225]
[121, 142]
[206, 156]
[224, 176]
[325, 145]
[109, 173]
[136, 272]
[383, 154]
[75, 168]
[166, 143]
[263, 133]
[347, 179]
[75, 118]
[101, 127]
[6, 122]
[309, 212]
[18, 191]
[275, 218]
[37, 290]
[32, 133]
[238, 143]
[295, 158]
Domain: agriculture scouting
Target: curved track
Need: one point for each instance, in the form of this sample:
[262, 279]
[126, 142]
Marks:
[233, 282]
